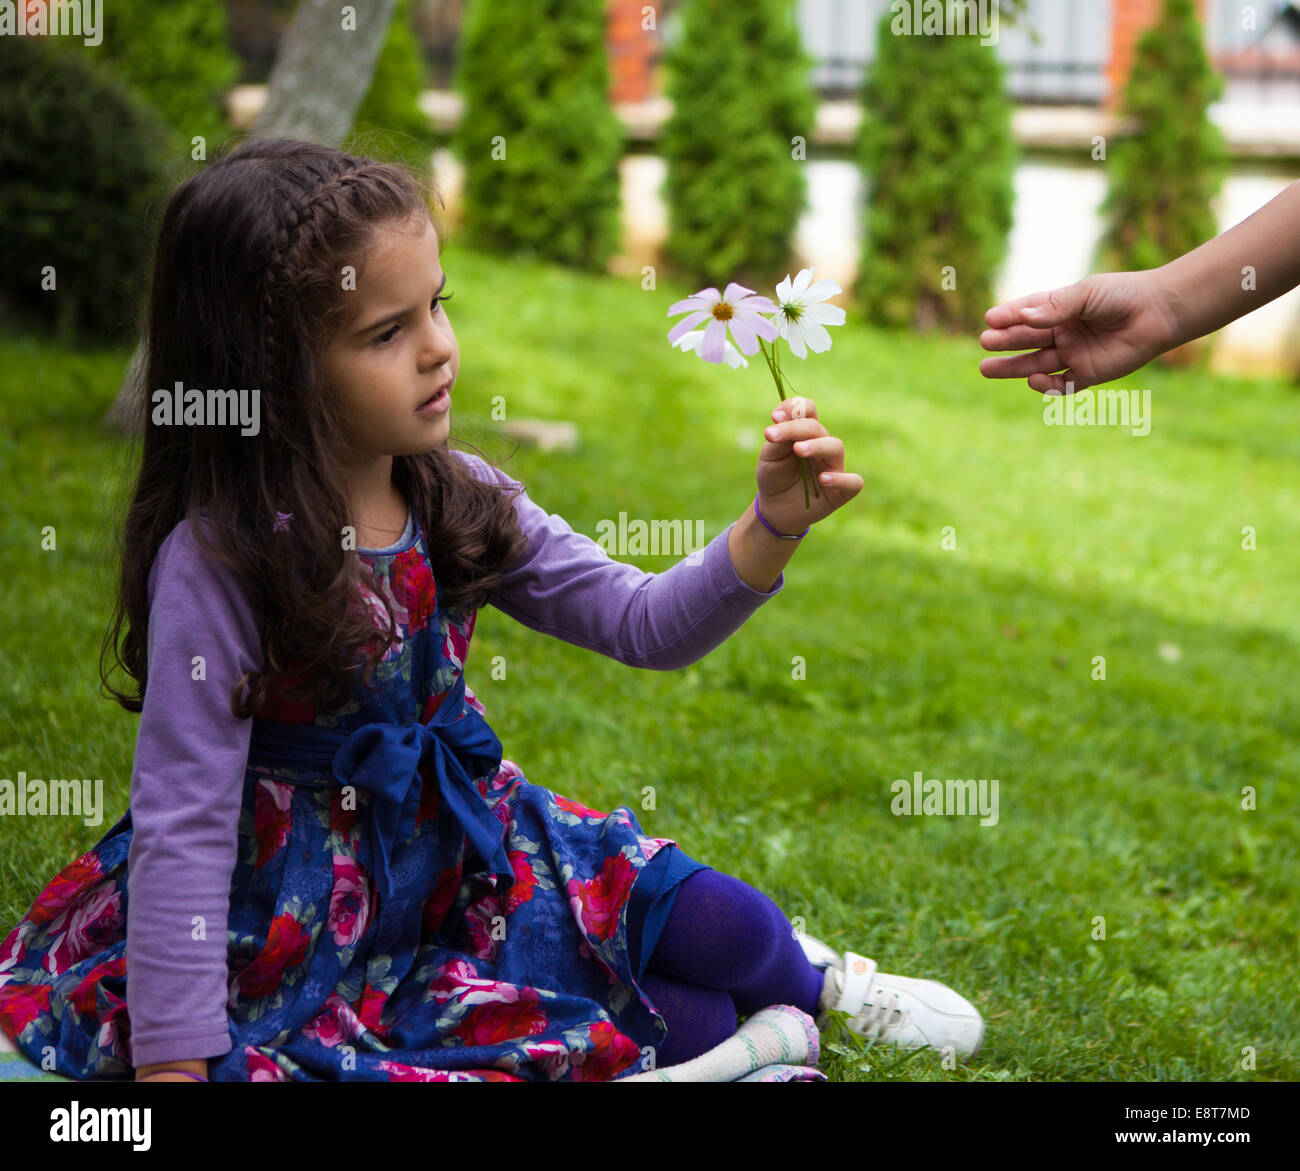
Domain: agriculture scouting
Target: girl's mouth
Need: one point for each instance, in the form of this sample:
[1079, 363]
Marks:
[436, 404]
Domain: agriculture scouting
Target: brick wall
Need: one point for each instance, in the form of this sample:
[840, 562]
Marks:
[632, 51]
[1129, 20]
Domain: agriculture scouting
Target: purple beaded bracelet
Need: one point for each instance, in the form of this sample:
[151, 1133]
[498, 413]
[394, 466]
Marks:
[770, 529]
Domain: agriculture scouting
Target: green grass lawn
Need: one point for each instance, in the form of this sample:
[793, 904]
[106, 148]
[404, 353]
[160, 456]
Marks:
[1118, 798]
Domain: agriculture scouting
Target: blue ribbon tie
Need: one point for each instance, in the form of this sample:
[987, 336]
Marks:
[386, 759]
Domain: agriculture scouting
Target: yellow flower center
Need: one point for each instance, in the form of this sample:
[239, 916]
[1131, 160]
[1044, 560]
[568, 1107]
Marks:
[722, 311]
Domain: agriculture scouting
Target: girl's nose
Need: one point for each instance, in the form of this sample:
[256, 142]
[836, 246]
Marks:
[436, 342]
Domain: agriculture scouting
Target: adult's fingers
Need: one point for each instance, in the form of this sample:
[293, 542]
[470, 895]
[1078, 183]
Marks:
[1041, 309]
[1020, 365]
[1065, 383]
[1060, 306]
[1018, 337]
[1008, 313]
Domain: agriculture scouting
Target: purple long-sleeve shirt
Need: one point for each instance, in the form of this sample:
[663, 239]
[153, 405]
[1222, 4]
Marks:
[192, 753]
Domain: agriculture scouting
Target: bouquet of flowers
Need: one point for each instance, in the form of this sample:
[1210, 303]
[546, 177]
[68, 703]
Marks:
[799, 315]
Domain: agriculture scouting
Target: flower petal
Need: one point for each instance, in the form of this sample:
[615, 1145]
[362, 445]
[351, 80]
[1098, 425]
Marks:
[690, 303]
[822, 290]
[816, 337]
[715, 337]
[692, 342]
[735, 292]
[824, 314]
[755, 304]
[734, 360]
[801, 283]
[756, 324]
[743, 334]
[684, 326]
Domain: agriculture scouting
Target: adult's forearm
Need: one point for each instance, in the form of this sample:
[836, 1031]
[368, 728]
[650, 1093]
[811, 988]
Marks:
[1236, 272]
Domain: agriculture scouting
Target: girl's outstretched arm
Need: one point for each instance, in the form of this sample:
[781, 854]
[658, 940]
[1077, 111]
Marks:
[567, 586]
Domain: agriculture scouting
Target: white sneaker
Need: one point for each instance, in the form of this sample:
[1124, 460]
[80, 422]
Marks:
[895, 1010]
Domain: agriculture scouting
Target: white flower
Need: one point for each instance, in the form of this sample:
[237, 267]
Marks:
[803, 313]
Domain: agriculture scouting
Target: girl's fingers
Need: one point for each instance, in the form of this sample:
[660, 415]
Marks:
[793, 430]
[828, 447]
[794, 408]
[849, 482]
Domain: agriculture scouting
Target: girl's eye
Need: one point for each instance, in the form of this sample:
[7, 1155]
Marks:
[384, 338]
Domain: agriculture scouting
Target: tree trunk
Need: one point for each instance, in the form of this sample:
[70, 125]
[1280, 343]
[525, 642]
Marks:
[322, 72]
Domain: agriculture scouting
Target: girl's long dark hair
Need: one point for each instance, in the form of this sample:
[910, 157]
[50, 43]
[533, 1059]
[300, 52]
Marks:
[247, 292]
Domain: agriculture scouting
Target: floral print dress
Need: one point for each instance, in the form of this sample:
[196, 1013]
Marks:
[405, 905]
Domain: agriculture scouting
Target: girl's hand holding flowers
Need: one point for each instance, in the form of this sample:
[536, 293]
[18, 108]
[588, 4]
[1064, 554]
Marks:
[796, 439]
[799, 451]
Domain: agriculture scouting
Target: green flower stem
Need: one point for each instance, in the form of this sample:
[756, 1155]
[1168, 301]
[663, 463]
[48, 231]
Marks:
[773, 361]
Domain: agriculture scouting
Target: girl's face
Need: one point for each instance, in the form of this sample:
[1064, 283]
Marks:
[396, 349]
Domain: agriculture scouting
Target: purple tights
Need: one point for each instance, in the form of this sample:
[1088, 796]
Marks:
[726, 949]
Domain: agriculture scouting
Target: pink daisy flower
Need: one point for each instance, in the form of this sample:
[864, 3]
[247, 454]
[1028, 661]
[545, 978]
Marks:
[738, 310]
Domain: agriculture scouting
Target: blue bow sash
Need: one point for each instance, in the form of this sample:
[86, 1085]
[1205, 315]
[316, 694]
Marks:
[386, 759]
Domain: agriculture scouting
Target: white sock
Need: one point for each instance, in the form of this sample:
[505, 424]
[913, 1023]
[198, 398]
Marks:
[771, 1035]
[830, 992]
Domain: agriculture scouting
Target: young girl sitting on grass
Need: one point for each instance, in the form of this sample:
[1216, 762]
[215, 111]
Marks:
[328, 871]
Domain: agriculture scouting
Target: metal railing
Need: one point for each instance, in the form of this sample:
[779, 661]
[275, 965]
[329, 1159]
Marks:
[1057, 54]
[1060, 51]
[1260, 65]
